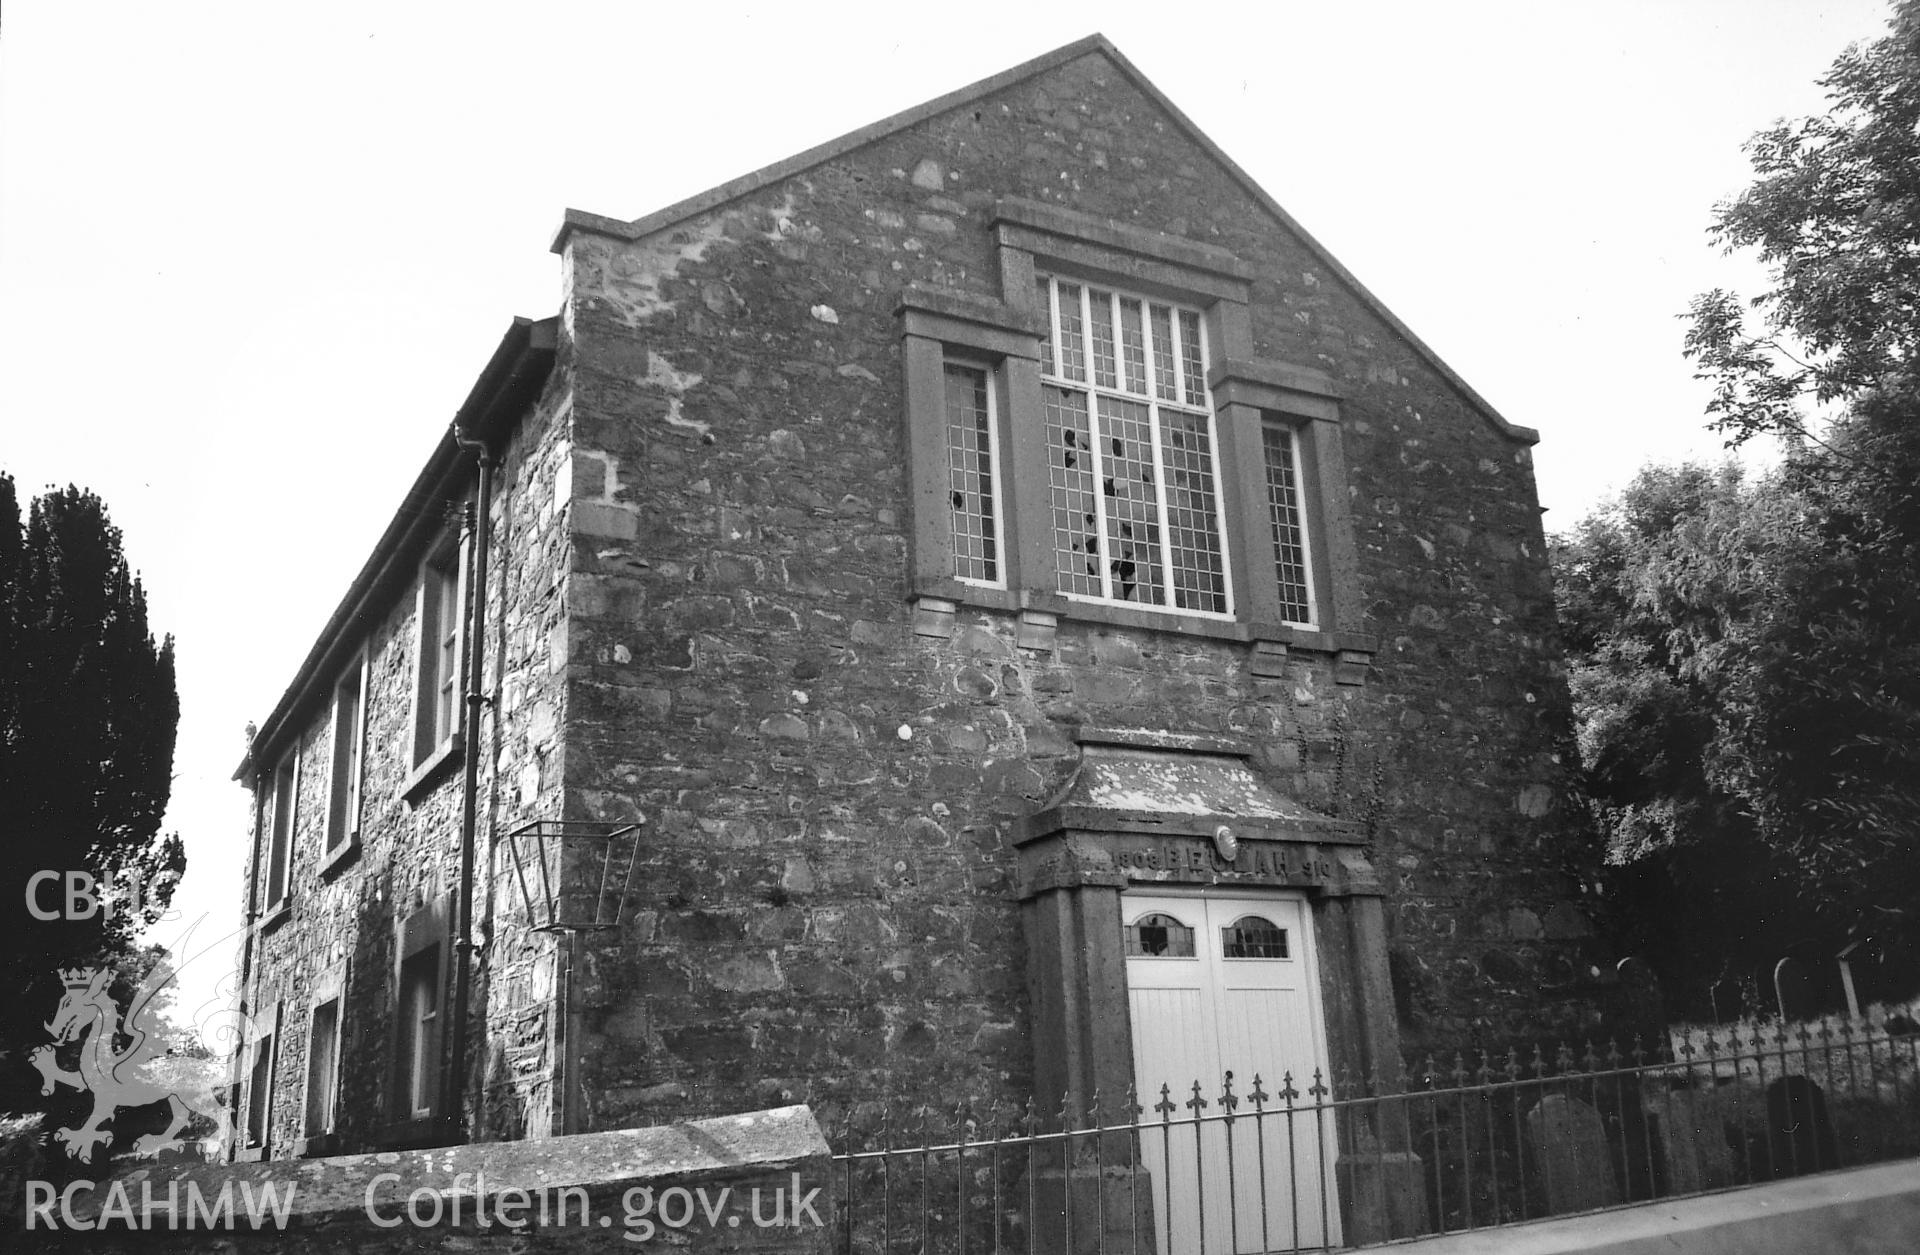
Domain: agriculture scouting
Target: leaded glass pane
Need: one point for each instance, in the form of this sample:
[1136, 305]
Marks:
[1073, 332]
[1133, 346]
[1193, 518]
[1190, 361]
[1132, 469]
[976, 549]
[1159, 937]
[1100, 314]
[1166, 384]
[1071, 480]
[1253, 937]
[1132, 501]
[1289, 535]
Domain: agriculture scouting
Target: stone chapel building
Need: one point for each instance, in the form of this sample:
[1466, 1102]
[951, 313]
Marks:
[966, 565]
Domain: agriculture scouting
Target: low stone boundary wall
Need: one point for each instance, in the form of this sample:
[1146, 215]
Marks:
[753, 1184]
[1861, 1211]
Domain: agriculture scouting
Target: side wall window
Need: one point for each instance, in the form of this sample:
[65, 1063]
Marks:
[323, 1066]
[349, 739]
[437, 696]
[261, 1062]
[282, 811]
[325, 1038]
[419, 983]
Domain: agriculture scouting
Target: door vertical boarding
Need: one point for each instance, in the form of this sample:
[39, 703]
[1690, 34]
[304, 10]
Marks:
[1226, 1013]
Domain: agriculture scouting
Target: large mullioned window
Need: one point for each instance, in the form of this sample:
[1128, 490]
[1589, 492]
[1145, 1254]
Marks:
[1133, 474]
[1102, 441]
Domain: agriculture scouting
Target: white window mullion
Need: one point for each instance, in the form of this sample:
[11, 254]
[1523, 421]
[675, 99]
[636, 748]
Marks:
[1171, 593]
[1092, 372]
[1204, 402]
[1119, 344]
[1300, 514]
[1053, 327]
[1146, 347]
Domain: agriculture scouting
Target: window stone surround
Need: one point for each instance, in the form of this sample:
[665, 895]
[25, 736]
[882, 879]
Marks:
[1003, 334]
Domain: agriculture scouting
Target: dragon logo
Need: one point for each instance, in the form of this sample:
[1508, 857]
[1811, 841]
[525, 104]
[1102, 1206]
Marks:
[142, 1074]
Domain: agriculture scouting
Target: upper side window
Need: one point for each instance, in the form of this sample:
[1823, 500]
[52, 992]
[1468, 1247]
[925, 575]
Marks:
[261, 1063]
[323, 1067]
[281, 812]
[418, 1025]
[437, 701]
[1131, 453]
[343, 785]
[419, 980]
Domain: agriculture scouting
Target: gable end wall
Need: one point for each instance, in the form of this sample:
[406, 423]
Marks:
[827, 910]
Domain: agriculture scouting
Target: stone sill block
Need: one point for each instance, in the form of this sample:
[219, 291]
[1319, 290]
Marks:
[431, 768]
[780, 1140]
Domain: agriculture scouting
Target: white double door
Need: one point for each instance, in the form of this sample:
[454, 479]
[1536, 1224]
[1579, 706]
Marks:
[1220, 985]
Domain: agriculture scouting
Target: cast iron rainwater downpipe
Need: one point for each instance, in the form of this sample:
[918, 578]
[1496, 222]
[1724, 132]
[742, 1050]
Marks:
[454, 1082]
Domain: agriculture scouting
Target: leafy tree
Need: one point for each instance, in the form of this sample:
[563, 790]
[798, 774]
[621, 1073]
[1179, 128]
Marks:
[1834, 211]
[1745, 667]
[87, 717]
[1746, 655]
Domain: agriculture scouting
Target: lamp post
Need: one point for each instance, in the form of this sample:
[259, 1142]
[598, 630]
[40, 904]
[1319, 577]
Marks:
[576, 885]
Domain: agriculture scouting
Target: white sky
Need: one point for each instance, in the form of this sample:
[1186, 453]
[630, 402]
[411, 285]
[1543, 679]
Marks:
[252, 256]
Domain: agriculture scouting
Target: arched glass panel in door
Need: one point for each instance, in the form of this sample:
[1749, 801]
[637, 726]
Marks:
[1157, 936]
[1253, 937]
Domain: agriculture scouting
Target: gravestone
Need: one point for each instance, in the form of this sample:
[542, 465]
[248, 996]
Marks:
[1794, 990]
[1641, 1008]
[1569, 1145]
[1693, 1127]
[1799, 1137]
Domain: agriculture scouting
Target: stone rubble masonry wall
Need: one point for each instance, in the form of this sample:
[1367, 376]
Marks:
[760, 1151]
[826, 912]
[410, 850]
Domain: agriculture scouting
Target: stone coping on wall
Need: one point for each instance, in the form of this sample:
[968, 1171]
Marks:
[1860, 1211]
[781, 1140]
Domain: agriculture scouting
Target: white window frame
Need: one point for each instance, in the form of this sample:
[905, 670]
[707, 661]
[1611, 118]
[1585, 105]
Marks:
[329, 1109]
[1052, 375]
[344, 796]
[419, 1042]
[262, 1063]
[417, 1039]
[283, 814]
[442, 594]
[1303, 517]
